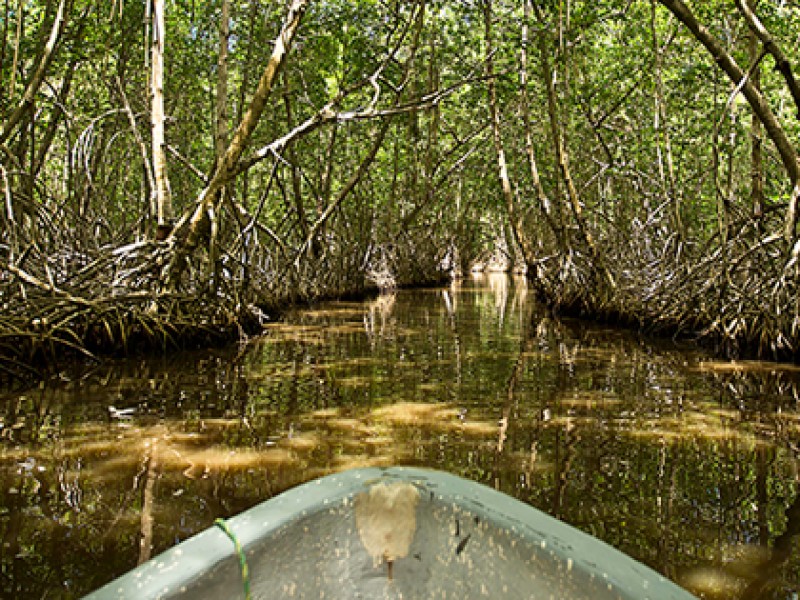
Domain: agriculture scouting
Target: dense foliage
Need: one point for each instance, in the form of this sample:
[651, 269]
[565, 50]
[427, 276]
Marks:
[639, 179]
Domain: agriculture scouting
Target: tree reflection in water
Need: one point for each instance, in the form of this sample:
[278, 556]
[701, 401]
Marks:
[686, 463]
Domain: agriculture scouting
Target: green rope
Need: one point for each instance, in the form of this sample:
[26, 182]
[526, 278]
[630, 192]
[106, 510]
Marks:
[222, 524]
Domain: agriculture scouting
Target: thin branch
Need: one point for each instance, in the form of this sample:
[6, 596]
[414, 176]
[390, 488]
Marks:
[41, 70]
[328, 114]
[782, 63]
[187, 163]
[345, 191]
[757, 101]
[48, 287]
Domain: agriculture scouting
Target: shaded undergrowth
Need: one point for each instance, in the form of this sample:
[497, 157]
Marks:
[738, 297]
[110, 301]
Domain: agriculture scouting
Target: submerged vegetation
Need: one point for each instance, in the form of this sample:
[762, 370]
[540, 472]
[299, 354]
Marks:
[172, 173]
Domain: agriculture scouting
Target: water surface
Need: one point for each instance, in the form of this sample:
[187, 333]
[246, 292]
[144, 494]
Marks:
[687, 463]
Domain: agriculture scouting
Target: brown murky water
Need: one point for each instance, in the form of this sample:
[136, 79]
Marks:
[688, 464]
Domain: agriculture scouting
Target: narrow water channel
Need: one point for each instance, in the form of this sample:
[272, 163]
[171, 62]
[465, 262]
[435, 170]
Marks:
[686, 463]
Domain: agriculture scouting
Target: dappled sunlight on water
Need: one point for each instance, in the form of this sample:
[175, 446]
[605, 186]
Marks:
[687, 463]
[745, 366]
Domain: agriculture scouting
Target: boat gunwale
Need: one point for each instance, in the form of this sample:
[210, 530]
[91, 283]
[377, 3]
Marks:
[173, 571]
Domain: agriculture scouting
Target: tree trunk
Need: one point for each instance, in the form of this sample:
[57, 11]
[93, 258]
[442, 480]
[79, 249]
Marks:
[782, 64]
[550, 212]
[294, 168]
[188, 231]
[221, 109]
[775, 131]
[666, 168]
[161, 198]
[48, 54]
[722, 191]
[756, 155]
[244, 86]
[63, 95]
[432, 141]
[348, 187]
[17, 39]
[515, 218]
[562, 159]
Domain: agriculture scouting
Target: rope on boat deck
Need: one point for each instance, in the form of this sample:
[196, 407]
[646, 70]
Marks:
[222, 524]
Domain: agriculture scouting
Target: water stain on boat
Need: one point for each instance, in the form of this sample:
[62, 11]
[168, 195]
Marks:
[386, 519]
